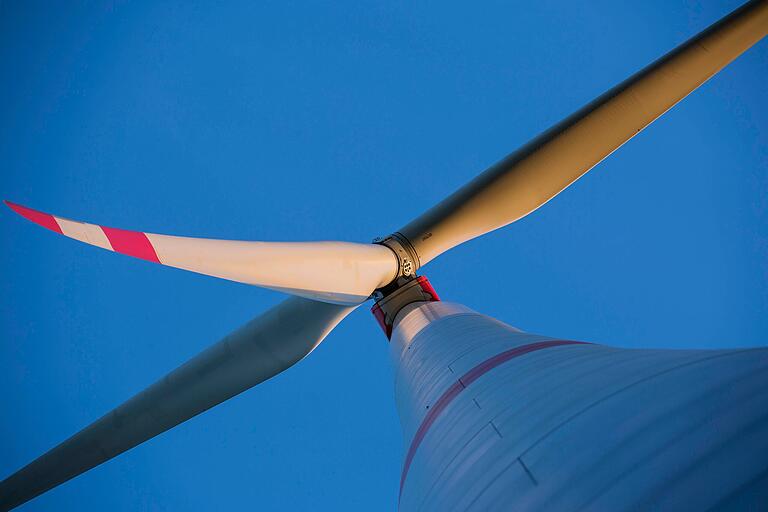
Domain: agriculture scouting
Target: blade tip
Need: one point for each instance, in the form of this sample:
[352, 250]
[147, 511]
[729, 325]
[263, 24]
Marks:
[15, 207]
[43, 219]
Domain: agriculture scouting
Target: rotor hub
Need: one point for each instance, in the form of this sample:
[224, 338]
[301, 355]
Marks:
[407, 258]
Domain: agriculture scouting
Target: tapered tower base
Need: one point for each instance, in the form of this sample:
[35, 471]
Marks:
[498, 419]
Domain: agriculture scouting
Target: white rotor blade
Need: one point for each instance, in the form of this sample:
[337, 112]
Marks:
[541, 169]
[262, 348]
[335, 272]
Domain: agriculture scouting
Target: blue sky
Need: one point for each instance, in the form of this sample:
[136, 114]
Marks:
[311, 121]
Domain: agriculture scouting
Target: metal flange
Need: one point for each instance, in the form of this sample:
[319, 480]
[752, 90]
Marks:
[407, 259]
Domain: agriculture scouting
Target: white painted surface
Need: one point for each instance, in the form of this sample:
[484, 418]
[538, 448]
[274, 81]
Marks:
[337, 272]
[577, 427]
[83, 232]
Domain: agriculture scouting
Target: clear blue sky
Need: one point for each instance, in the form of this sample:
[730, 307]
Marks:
[310, 121]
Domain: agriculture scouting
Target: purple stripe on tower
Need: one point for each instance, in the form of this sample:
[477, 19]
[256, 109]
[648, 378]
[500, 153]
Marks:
[465, 380]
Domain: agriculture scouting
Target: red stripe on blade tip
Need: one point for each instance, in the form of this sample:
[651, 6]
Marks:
[46, 220]
[461, 384]
[132, 243]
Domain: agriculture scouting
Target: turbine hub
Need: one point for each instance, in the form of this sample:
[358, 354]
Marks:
[407, 258]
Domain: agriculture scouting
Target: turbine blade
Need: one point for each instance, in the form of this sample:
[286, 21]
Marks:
[262, 348]
[548, 164]
[335, 272]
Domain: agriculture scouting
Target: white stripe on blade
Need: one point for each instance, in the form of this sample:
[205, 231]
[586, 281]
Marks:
[88, 233]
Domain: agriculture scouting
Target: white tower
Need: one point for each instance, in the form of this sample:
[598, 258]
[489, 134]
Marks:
[497, 419]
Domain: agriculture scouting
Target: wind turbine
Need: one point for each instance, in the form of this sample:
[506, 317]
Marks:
[494, 418]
